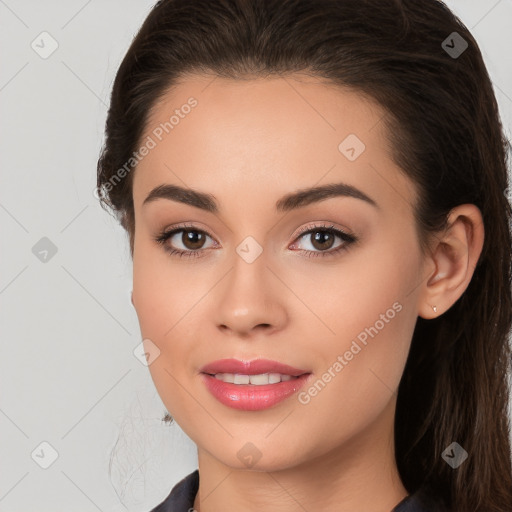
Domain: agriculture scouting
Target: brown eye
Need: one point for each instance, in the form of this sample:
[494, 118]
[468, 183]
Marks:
[192, 240]
[184, 241]
[322, 240]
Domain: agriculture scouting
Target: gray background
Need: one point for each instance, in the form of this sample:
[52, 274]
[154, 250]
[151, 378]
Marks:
[68, 375]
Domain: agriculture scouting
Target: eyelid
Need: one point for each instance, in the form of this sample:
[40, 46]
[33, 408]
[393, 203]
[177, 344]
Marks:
[325, 226]
[167, 233]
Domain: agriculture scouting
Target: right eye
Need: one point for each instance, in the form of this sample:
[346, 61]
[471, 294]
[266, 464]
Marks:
[191, 239]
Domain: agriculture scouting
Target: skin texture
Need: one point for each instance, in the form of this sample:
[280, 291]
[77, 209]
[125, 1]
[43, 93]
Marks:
[249, 143]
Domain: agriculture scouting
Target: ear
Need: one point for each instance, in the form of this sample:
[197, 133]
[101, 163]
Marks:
[453, 256]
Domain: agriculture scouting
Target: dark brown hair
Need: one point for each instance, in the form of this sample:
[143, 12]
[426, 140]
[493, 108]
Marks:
[446, 135]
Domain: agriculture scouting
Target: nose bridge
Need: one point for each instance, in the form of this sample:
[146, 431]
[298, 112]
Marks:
[248, 299]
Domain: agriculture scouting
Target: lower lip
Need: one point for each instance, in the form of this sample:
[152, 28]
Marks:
[249, 397]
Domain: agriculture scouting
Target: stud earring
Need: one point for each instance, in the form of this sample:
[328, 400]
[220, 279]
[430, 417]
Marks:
[434, 308]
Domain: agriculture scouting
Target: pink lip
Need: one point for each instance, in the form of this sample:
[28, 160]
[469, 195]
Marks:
[254, 367]
[249, 397]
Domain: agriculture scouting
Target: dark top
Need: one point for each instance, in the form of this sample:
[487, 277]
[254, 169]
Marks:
[181, 498]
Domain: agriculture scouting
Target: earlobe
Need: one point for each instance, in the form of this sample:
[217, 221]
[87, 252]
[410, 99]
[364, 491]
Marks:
[454, 253]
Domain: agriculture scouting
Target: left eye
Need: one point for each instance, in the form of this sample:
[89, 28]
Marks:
[322, 239]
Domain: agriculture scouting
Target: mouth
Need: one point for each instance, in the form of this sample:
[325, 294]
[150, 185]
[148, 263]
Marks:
[259, 379]
[252, 385]
[256, 368]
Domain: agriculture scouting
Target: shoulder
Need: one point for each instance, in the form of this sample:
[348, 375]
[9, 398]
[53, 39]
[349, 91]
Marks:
[420, 501]
[182, 495]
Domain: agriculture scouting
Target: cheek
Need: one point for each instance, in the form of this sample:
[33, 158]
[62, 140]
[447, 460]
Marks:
[163, 300]
[150, 295]
[169, 298]
[162, 291]
[372, 313]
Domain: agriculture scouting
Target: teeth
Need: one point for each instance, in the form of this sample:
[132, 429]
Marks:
[257, 380]
[241, 379]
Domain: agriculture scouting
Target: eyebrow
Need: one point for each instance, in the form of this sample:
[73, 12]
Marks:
[292, 201]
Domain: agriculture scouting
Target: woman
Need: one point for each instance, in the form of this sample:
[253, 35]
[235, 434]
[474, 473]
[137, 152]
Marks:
[314, 193]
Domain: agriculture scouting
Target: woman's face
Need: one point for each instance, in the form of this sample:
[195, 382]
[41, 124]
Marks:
[259, 273]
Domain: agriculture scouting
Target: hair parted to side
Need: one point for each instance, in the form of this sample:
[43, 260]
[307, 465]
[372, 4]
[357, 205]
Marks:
[446, 135]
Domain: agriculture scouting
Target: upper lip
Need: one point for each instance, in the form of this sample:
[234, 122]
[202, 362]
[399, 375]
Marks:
[255, 367]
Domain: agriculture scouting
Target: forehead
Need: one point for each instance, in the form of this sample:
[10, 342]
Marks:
[266, 134]
[268, 104]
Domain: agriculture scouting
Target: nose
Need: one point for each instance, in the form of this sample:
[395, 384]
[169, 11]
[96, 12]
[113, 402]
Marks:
[250, 300]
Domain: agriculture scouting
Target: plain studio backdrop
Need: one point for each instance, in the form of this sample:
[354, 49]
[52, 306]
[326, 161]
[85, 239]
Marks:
[80, 420]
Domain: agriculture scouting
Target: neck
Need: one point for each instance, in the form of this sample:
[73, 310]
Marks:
[360, 474]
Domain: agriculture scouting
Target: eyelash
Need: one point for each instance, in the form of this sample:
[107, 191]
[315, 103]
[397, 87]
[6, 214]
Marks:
[347, 239]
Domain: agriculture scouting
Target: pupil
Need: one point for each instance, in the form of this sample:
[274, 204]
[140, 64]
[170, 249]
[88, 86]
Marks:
[321, 238]
[192, 239]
